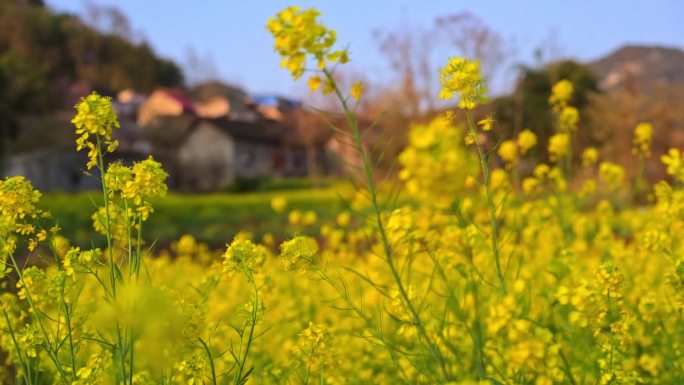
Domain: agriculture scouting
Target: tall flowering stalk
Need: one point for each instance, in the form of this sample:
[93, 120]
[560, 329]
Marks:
[126, 192]
[301, 39]
[641, 147]
[462, 77]
[96, 118]
[19, 217]
[567, 117]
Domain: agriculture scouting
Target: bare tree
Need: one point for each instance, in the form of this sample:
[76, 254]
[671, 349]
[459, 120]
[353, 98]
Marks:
[109, 20]
[472, 38]
[409, 52]
[199, 69]
[412, 53]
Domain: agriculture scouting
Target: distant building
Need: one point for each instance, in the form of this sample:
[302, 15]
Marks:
[217, 151]
[61, 169]
[216, 107]
[127, 103]
[215, 99]
[164, 102]
[274, 107]
[205, 143]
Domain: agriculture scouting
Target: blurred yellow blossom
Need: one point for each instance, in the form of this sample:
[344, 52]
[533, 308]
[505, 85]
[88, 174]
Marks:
[526, 140]
[356, 90]
[278, 204]
[643, 135]
[589, 156]
[558, 146]
[561, 93]
[462, 77]
[674, 160]
[508, 151]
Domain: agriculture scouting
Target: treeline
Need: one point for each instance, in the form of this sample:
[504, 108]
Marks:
[45, 56]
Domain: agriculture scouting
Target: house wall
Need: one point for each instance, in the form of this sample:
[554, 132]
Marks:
[210, 159]
[295, 162]
[206, 160]
[53, 170]
[257, 159]
[63, 169]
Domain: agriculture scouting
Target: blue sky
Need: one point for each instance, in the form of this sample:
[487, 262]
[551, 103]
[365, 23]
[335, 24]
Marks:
[232, 31]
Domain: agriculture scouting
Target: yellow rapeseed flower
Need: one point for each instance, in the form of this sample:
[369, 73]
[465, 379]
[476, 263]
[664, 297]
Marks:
[568, 118]
[526, 140]
[643, 135]
[95, 117]
[299, 36]
[611, 174]
[589, 156]
[244, 255]
[558, 146]
[299, 253]
[461, 77]
[508, 151]
[314, 83]
[561, 94]
[486, 123]
[278, 204]
[674, 160]
[356, 90]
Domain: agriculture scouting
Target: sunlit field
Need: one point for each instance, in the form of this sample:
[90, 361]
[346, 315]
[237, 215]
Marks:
[467, 264]
[210, 218]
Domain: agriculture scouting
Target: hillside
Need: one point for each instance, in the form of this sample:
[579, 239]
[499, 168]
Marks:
[640, 68]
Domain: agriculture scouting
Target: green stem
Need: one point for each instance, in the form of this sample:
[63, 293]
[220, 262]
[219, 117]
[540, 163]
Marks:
[34, 309]
[308, 367]
[241, 367]
[69, 330]
[493, 222]
[372, 190]
[129, 238]
[105, 195]
[211, 360]
[24, 365]
[138, 259]
[120, 348]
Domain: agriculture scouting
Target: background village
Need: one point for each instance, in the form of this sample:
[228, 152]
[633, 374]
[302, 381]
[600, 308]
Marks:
[208, 138]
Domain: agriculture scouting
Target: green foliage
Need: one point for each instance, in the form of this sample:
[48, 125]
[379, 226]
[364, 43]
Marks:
[528, 106]
[43, 53]
[242, 184]
[210, 218]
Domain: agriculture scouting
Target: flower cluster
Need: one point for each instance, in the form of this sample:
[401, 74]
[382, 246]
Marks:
[18, 202]
[561, 93]
[299, 36]
[95, 118]
[590, 156]
[137, 184]
[462, 77]
[611, 174]
[674, 160]
[508, 151]
[435, 153]
[299, 253]
[243, 255]
[18, 216]
[526, 140]
[643, 135]
[559, 146]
